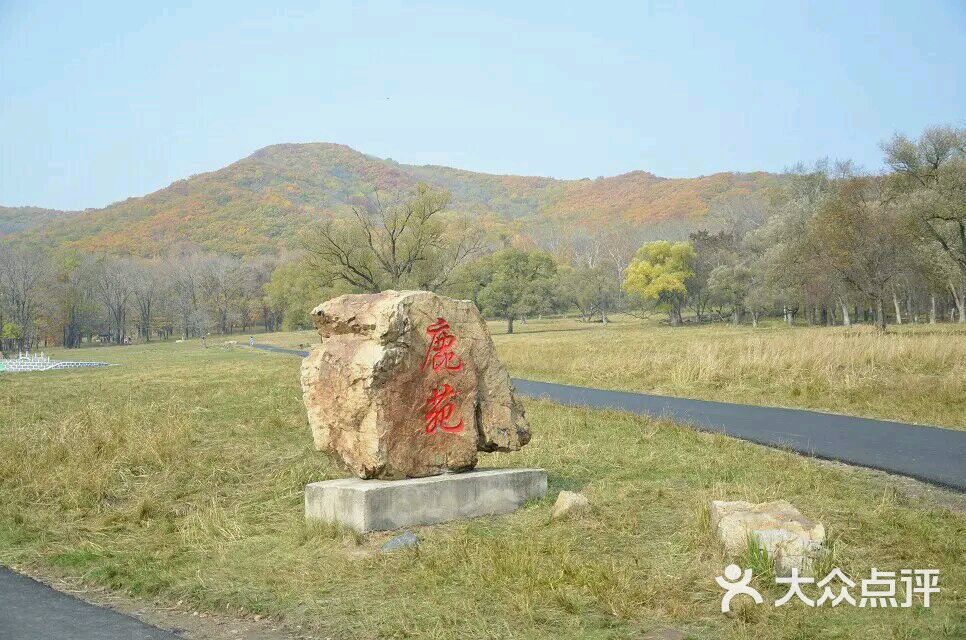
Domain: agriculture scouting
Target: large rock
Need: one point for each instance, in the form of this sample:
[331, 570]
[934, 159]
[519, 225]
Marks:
[789, 537]
[408, 384]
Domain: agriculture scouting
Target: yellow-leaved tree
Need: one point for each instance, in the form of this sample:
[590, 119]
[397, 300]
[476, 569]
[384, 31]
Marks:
[658, 273]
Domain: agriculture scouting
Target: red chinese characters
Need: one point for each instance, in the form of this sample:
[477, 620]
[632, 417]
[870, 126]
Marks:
[440, 353]
[439, 409]
[441, 405]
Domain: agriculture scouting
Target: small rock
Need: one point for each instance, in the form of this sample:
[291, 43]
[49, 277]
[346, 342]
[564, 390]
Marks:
[790, 538]
[570, 503]
[404, 540]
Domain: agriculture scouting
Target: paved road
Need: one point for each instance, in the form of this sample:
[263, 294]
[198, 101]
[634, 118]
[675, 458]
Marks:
[926, 453]
[30, 610]
[934, 455]
[274, 349]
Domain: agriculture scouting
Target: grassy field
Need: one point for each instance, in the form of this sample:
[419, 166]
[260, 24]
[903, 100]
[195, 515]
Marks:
[913, 373]
[178, 476]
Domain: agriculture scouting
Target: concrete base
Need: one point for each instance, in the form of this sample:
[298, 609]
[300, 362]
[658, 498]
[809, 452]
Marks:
[380, 505]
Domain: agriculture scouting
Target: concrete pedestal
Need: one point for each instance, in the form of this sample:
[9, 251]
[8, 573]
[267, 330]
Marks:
[380, 505]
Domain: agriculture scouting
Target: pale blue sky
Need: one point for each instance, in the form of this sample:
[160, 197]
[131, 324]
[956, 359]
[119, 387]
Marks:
[100, 101]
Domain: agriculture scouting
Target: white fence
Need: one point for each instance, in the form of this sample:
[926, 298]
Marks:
[41, 362]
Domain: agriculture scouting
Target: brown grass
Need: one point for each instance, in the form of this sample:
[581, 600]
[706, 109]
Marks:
[913, 374]
[179, 476]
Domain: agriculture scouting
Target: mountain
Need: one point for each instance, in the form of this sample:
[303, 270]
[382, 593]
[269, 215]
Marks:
[19, 219]
[260, 203]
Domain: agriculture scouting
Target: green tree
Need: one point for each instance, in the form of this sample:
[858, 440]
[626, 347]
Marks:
[10, 332]
[711, 251]
[658, 273]
[731, 284]
[293, 292]
[517, 284]
[593, 290]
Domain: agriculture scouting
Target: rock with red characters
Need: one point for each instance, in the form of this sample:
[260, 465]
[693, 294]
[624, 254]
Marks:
[408, 384]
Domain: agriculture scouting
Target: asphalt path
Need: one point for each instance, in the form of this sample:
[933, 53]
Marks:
[30, 610]
[935, 455]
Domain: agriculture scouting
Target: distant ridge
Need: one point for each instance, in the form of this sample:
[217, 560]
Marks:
[259, 204]
[20, 219]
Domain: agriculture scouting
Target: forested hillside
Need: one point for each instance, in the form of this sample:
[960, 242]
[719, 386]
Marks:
[20, 219]
[259, 204]
[254, 245]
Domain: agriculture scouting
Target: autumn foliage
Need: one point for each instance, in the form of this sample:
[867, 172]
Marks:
[259, 204]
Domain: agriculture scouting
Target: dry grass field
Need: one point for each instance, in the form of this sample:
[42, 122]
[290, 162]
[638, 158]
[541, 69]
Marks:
[178, 476]
[912, 373]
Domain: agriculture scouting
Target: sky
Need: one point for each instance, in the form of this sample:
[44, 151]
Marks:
[100, 101]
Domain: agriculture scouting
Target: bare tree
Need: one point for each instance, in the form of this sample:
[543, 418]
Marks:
[112, 281]
[463, 240]
[184, 273]
[930, 179]
[22, 276]
[221, 284]
[147, 289]
[391, 245]
[255, 275]
[794, 265]
[859, 235]
[72, 295]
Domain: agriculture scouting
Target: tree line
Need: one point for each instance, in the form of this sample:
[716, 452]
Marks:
[831, 245]
[66, 297]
